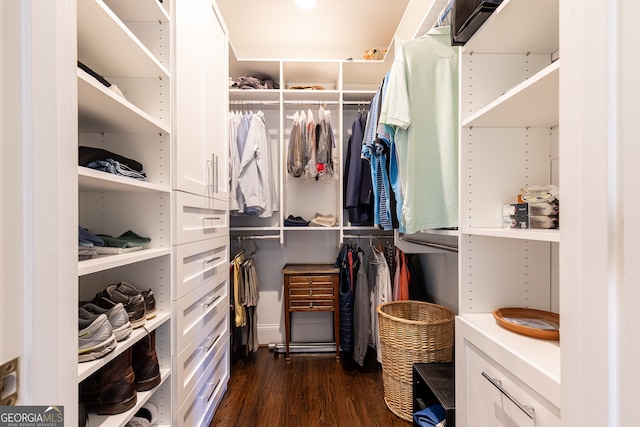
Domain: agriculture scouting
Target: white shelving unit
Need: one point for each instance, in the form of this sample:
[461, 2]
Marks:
[509, 112]
[347, 84]
[123, 42]
[349, 87]
[200, 354]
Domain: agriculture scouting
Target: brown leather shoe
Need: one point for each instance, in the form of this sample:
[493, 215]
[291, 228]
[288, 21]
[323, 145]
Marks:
[134, 304]
[111, 390]
[145, 363]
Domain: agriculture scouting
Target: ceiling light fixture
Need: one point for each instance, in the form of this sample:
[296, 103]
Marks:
[306, 4]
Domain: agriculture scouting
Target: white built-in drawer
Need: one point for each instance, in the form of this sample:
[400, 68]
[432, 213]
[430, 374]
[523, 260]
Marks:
[204, 398]
[197, 262]
[199, 218]
[200, 309]
[488, 404]
[197, 356]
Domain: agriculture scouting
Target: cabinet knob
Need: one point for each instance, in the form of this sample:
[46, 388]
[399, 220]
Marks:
[310, 292]
[310, 280]
[310, 305]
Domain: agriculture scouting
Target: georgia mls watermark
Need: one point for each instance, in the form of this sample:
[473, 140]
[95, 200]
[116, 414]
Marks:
[31, 416]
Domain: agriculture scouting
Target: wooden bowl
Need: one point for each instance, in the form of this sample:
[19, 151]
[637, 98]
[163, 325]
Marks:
[529, 322]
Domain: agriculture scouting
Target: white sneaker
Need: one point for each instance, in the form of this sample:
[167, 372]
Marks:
[95, 338]
[117, 316]
[138, 422]
[146, 416]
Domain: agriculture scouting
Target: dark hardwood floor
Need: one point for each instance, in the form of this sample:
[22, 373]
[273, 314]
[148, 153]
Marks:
[312, 390]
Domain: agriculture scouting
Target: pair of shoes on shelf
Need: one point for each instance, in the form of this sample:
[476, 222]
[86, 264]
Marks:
[117, 316]
[95, 338]
[113, 389]
[145, 362]
[140, 305]
[146, 416]
[147, 295]
[83, 415]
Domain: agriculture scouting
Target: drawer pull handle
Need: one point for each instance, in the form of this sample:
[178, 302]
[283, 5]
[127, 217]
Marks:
[310, 292]
[211, 343]
[211, 300]
[528, 410]
[209, 261]
[310, 280]
[212, 392]
[310, 305]
[211, 218]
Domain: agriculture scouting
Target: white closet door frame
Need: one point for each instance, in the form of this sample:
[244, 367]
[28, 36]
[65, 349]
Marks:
[38, 293]
[599, 265]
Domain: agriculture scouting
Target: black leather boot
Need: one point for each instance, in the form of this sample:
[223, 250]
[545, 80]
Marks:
[145, 363]
[111, 390]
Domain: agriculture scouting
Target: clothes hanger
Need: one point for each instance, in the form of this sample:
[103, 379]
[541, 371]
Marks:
[374, 252]
[255, 247]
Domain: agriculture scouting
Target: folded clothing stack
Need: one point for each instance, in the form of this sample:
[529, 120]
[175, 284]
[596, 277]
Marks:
[87, 244]
[320, 220]
[106, 161]
[126, 242]
[254, 82]
[295, 221]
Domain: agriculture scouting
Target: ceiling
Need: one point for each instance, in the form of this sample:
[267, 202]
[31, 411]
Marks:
[334, 29]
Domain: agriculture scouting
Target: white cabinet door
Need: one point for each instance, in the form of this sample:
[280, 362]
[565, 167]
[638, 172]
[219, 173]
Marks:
[495, 397]
[201, 100]
[217, 96]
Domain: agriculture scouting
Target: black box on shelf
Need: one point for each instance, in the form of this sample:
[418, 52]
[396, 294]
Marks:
[515, 215]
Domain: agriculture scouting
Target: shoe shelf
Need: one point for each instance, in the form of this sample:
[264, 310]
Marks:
[129, 44]
[122, 419]
[85, 369]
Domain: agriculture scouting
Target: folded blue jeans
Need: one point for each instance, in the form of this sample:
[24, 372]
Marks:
[431, 416]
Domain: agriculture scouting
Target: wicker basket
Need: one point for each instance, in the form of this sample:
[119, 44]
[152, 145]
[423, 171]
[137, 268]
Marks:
[411, 332]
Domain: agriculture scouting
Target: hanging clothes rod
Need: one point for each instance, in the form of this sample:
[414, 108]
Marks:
[311, 102]
[255, 237]
[444, 247]
[246, 102]
[356, 103]
[367, 236]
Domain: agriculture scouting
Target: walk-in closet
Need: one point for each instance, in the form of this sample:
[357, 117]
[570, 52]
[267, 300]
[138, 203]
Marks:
[317, 212]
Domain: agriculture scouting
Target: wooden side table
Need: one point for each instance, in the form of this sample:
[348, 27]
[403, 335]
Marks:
[311, 287]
